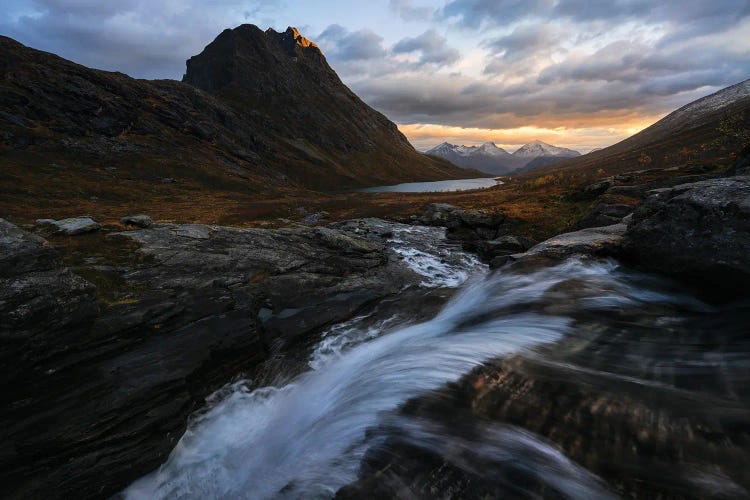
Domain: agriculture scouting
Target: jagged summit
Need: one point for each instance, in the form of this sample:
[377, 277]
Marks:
[538, 148]
[492, 149]
[293, 34]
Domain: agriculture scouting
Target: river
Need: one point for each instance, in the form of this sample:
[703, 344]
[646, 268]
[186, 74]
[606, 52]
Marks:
[307, 437]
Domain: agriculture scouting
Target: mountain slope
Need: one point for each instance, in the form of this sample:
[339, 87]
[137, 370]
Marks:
[689, 133]
[274, 117]
[312, 116]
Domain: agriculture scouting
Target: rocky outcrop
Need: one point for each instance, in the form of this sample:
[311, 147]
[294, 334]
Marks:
[487, 235]
[699, 232]
[99, 383]
[42, 304]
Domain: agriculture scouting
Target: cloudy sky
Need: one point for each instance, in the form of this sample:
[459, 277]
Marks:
[576, 73]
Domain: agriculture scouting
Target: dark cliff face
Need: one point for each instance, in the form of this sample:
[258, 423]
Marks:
[260, 111]
[286, 80]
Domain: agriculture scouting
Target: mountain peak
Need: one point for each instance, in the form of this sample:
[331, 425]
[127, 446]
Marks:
[538, 148]
[247, 56]
[299, 39]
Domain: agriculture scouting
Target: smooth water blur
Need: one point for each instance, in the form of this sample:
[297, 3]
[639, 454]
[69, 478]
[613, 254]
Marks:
[434, 187]
[307, 439]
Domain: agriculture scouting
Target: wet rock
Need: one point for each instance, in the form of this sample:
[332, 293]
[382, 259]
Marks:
[72, 226]
[499, 247]
[593, 398]
[598, 241]
[138, 220]
[699, 231]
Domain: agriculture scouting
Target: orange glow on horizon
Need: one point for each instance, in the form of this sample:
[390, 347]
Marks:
[580, 134]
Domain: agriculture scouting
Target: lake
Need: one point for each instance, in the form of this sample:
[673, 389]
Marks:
[433, 187]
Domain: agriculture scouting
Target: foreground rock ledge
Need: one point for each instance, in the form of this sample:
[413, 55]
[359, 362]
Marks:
[97, 394]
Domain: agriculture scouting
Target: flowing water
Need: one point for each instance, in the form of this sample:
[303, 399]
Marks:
[307, 439]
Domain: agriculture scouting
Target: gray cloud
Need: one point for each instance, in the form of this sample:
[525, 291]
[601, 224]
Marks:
[344, 45]
[143, 39]
[474, 13]
[524, 44]
[408, 12]
[433, 47]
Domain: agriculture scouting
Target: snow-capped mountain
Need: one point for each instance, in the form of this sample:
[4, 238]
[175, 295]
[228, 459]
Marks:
[537, 148]
[495, 160]
[488, 157]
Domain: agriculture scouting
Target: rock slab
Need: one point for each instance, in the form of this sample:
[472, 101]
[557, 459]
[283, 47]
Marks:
[698, 231]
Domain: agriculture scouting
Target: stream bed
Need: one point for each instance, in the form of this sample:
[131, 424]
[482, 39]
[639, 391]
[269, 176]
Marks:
[611, 336]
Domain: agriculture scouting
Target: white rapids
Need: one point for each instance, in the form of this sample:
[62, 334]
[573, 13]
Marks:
[307, 439]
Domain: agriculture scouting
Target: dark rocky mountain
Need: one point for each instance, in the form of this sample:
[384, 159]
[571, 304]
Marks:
[495, 160]
[259, 110]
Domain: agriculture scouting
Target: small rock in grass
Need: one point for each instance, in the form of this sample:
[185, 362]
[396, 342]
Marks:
[139, 220]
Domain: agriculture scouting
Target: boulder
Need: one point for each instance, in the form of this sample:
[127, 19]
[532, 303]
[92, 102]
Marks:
[470, 225]
[73, 225]
[438, 213]
[597, 241]
[592, 191]
[138, 220]
[698, 231]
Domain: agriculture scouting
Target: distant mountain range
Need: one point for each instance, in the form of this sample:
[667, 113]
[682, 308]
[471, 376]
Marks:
[495, 160]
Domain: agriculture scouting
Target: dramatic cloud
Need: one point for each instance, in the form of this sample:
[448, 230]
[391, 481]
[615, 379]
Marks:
[578, 73]
[433, 48]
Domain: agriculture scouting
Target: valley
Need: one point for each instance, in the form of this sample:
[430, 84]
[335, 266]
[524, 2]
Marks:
[249, 284]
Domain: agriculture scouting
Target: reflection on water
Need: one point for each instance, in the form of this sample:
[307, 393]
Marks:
[432, 187]
[591, 369]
